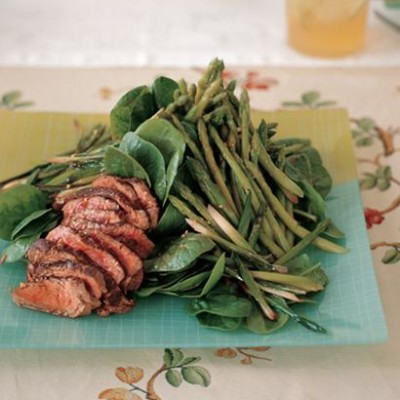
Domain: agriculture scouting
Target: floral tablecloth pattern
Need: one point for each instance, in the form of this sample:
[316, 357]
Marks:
[372, 97]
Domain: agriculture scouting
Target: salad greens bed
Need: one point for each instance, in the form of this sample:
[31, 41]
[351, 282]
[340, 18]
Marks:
[239, 207]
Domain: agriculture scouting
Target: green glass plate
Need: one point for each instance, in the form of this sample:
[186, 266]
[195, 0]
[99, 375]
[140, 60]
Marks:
[350, 307]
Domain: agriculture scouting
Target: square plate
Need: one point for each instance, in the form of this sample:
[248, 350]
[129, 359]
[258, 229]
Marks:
[350, 307]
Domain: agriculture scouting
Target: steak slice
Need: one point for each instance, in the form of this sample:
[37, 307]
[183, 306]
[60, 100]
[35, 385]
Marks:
[134, 215]
[42, 251]
[131, 262]
[97, 203]
[66, 236]
[131, 236]
[146, 200]
[136, 190]
[37, 251]
[88, 274]
[63, 297]
[47, 260]
[115, 303]
[86, 209]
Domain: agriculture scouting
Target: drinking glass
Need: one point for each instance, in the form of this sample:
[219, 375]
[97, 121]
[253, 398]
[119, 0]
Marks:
[327, 28]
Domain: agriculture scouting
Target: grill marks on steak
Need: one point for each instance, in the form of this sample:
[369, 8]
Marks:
[46, 261]
[134, 238]
[87, 210]
[132, 213]
[135, 190]
[90, 261]
[89, 275]
[80, 242]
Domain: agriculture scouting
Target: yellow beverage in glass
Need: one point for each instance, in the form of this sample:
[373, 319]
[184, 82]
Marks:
[326, 28]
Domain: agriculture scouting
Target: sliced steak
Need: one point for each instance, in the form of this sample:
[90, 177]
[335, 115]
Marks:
[94, 257]
[38, 250]
[146, 200]
[119, 184]
[115, 303]
[63, 297]
[136, 190]
[131, 236]
[66, 236]
[86, 209]
[97, 203]
[136, 216]
[131, 262]
[92, 277]
[42, 251]
[135, 239]
[58, 261]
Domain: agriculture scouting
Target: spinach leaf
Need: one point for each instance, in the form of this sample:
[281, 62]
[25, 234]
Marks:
[117, 162]
[171, 222]
[257, 322]
[301, 265]
[321, 179]
[150, 158]
[131, 110]
[17, 249]
[192, 286]
[193, 283]
[186, 284]
[181, 253]
[313, 155]
[219, 322]
[215, 275]
[35, 223]
[154, 283]
[169, 142]
[307, 166]
[163, 90]
[16, 204]
[164, 136]
[298, 167]
[226, 305]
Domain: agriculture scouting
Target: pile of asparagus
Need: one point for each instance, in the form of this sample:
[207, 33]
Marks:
[242, 197]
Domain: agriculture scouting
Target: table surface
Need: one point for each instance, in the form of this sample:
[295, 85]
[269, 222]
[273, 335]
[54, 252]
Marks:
[82, 56]
[83, 33]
